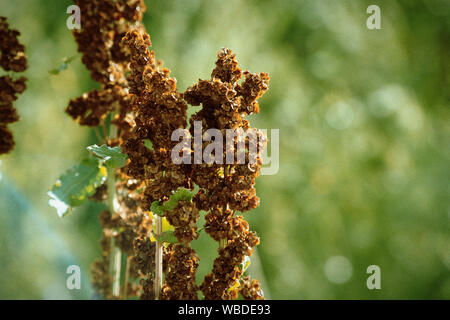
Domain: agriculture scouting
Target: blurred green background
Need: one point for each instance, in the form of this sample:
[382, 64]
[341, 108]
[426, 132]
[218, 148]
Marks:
[364, 144]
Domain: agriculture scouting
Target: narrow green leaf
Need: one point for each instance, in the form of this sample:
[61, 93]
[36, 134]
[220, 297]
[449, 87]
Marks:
[63, 66]
[113, 157]
[169, 205]
[76, 185]
[167, 236]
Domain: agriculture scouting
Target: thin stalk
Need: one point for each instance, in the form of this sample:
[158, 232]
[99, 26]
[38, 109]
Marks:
[105, 132]
[99, 136]
[117, 254]
[158, 259]
[116, 271]
[111, 185]
[127, 275]
[226, 172]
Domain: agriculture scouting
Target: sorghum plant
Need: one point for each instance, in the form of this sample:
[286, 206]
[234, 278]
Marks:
[12, 58]
[153, 202]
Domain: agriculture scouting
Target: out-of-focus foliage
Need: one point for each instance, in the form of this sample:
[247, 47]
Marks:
[364, 135]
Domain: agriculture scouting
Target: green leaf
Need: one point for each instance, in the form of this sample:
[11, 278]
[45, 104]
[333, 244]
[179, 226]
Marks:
[148, 144]
[167, 236]
[180, 194]
[76, 185]
[200, 229]
[113, 157]
[169, 205]
[156, 208]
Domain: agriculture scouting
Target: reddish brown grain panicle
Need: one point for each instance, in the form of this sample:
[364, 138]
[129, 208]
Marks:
[12, 58]
[226, 188]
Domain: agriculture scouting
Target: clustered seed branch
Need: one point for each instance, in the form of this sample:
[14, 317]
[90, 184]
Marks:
[143, 101]
[104, 24]
[12, 58]
[225, 103]
[159, 109]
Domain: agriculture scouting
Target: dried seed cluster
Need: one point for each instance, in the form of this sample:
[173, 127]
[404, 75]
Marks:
[182, 264]
[101, 278]
[12, 58]
[229, 188]
[250, 290]
[159, 109]
[148, 108]
[184, 217]
[103, 25]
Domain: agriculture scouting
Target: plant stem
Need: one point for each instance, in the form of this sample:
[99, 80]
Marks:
[111, 186]
[226, 172]
[105, 133]
[127, 275]
[99, 136]
[116, 271]
[158, 259]
[117, 254]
